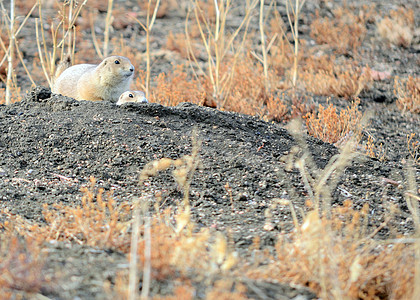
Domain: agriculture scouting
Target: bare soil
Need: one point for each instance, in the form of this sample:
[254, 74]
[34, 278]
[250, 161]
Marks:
[50, 145]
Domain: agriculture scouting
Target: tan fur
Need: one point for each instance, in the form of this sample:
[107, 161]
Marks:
[106, 81]
[132, 96]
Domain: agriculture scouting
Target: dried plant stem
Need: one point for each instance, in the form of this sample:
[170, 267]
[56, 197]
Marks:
[23, 63]
[148, 28]
[132, 284]
[263, 48]
[11, 51]
[48, 57]
[295, 33]
[147, 259]
[217, 45]
[108, 22]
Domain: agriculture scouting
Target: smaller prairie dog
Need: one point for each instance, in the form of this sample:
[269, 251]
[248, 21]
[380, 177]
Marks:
[132, 96]
[106, 81]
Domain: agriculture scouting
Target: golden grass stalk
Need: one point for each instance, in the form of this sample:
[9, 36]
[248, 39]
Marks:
[218, 45]
[10, 56]
[147, 258]
[132, 284]
[148, 28]
[108, 21]
[264, 49]
[294, 12]
[48, 57]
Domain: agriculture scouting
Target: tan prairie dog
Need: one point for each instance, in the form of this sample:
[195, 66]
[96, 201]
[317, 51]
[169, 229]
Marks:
[132, 96]
[106, 81]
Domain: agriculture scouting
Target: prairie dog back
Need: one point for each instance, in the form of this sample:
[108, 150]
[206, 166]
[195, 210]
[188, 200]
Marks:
[105, 81]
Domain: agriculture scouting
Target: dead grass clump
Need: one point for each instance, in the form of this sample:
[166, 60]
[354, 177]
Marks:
[413, 147]
[97, 222]
[276, 109]
[226, 290]
[408, 93]
[332, 127]
[246, 92]
[148, 6]
[323, 76]
[344, 32]
[373, 150]
[398, 27]
[15, 97]
[178, 43]
[175, 87]
[21, 263]
[338, 258]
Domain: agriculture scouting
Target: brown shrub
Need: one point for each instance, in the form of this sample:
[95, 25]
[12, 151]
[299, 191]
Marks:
[178, 43]
[408, 93]
[398, 27]
[21, 263]
[344, 32]
[323, 76]
[162, 10]
[338, 259]
[16, 94]
[174, 87]
[330, 126]
[97, 222]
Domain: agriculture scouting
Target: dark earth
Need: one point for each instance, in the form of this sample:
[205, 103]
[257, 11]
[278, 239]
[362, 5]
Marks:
[50, 145]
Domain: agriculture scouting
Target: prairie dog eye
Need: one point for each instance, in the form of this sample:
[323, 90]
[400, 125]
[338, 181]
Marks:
[131, 95]
[117, 62]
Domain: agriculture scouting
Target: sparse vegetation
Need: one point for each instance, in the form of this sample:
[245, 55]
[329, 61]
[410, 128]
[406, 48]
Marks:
[408, 93]
[332, 127]
[275, 61]
[397, 28]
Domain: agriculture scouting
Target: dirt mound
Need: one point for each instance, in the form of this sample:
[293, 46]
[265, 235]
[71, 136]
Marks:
[50, 145]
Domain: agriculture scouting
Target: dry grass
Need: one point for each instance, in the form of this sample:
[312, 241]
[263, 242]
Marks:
[21, 263]
[335, 254]
[338, 259]
[413, 146]
[174, 87]
[334, 251]
[344, 32]
[374, 151]
[96, 222]
[330, 126]
[16, 95]
[398, 27]
[408, 93]
[323, 76]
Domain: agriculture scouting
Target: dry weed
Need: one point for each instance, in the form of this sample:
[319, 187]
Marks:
[323, 76]
[21, 263]
[374, 151]
[413, 147]
[15, 97]
[174, 87]
[226, 290]
[408, 93]
[97, 222]
[338, 259]
[185, 292]
[398, 27]
[344, 32]
[332, 127]
[162, 9]
[178, 43]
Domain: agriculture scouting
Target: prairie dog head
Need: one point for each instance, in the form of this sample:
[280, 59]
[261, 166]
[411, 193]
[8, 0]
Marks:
[115, 69]
[132, 96]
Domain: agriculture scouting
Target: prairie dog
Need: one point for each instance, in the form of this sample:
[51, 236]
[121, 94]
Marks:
[106, 81]
[132, 96]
